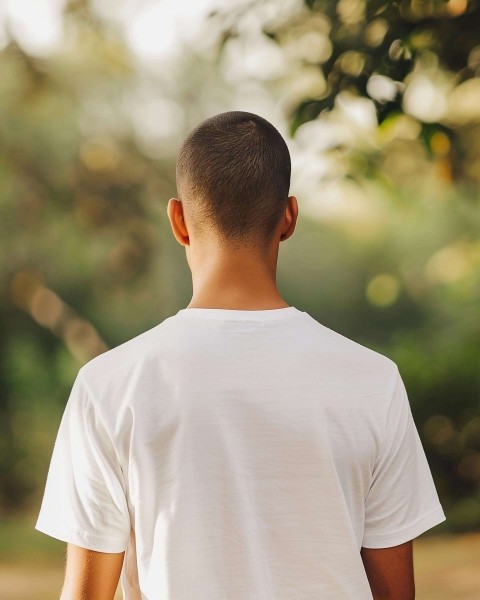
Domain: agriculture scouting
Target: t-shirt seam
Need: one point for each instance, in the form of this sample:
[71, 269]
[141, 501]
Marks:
[74, 531]
[378, 458]
[70, 533]
[90, 395]
[437, 509]
[238, 320]
[390, 404]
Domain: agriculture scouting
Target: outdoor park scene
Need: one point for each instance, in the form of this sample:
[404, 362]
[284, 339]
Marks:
[379, 103]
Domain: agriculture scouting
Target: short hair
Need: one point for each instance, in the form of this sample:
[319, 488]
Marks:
[233, 177]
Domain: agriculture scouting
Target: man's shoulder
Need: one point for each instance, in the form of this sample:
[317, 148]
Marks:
[123, 358]
[345, 349]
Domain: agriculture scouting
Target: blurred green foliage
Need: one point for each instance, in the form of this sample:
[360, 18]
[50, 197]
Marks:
[89, 259]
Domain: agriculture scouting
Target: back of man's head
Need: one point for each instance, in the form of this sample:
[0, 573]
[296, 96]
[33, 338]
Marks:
[233, 178]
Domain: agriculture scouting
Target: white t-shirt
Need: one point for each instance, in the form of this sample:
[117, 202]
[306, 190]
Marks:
[239, 455]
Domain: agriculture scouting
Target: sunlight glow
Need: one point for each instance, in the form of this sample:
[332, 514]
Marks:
[154, 30]
[35, 24]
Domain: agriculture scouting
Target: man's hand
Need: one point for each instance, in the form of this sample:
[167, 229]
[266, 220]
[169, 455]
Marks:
[91, 575]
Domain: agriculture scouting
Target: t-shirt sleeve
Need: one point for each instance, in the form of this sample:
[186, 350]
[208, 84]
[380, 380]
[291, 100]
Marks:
[84, 500]
[402, 501]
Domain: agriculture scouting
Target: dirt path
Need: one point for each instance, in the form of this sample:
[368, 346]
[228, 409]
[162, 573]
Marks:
[448, 568]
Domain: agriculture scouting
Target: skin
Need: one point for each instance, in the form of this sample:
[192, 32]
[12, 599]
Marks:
[91, 575]
[225, 277]
[390, 571]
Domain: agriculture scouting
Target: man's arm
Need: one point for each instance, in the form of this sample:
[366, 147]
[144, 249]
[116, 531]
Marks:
[390, 571]
[91, 575]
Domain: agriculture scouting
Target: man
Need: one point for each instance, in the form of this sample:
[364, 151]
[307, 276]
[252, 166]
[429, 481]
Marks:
[238, 450]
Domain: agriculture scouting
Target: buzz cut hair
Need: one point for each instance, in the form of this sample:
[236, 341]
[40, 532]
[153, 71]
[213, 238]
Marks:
[233, 178]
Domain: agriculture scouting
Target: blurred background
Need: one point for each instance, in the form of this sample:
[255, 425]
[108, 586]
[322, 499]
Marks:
[379, 103]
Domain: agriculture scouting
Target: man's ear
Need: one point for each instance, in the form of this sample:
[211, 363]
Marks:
[177, 221]
[290, 219]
